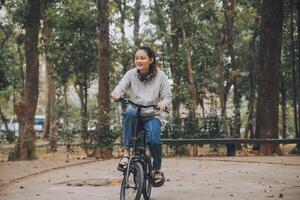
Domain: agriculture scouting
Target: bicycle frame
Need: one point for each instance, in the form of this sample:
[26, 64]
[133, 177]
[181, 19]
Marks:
[139, 155]
[138, 149]
[139, 163]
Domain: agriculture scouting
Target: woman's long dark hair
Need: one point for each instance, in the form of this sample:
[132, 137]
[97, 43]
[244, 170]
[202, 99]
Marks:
[151, 54]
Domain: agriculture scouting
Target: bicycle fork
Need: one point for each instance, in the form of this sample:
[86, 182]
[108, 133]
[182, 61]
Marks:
[128, 171]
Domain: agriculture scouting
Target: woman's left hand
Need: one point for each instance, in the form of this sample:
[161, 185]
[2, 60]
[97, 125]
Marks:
[161, 106]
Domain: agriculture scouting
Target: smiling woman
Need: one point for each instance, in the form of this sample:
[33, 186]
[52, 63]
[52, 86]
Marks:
[147, 85]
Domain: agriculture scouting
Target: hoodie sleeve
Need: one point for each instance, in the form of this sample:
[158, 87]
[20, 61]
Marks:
[165, 91]
[123, 85]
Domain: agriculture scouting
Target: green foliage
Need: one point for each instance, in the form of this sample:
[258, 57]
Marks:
[73, 110]
[68, 137]
[53, 139]
[97, 137]
[4, 78]
[73, 50]
[6, 56]
[11, 62]
[212, 127]
[106, 139]
[17, 11]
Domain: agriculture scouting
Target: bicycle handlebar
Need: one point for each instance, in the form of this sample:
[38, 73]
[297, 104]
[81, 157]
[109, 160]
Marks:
[129, 101]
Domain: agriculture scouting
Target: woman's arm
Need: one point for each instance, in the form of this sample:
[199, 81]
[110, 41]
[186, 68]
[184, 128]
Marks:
[122, 87]
[165, 93]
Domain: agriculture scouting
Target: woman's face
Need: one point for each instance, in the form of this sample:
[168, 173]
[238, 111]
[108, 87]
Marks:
[142, 61]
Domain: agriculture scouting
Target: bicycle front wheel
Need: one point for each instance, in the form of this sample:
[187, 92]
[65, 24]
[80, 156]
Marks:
[148, 180]
[132, 183]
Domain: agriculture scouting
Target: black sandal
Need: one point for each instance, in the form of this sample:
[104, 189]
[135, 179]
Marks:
[123, 163]
[158, 181]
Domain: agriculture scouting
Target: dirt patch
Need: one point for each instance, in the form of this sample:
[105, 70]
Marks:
[92, 182]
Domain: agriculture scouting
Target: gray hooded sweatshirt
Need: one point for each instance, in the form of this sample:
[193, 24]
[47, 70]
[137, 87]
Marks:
[146, 93]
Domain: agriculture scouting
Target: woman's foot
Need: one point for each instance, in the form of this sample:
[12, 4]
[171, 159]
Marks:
[123, 163]
[158, 179]
[124, 160]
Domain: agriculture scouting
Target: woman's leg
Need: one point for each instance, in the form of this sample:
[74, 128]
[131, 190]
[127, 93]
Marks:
[152, 129]
[129, 125]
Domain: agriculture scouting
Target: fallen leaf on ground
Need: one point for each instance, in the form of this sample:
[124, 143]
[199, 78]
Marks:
[271, 196]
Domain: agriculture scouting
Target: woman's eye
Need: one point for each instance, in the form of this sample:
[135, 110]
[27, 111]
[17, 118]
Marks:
[140, 58]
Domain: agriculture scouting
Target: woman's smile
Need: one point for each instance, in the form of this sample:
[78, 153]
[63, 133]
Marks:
[142, 61]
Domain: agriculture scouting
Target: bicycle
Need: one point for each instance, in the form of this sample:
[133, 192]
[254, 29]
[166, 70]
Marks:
[137, 177]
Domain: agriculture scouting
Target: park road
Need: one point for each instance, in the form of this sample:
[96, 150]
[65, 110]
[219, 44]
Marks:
[187, 178]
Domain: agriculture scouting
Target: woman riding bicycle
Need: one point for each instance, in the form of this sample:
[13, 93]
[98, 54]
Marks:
[146, 84]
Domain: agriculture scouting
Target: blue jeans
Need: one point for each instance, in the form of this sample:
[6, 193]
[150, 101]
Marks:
[152, 130]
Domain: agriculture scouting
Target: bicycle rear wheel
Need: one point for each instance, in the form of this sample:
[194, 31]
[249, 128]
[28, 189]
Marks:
[133, 184]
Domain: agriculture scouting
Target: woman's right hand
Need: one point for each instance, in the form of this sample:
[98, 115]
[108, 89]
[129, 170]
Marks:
[114, 96]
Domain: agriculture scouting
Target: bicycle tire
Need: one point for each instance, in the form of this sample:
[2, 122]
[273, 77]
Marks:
[132, 186]
[148, 181]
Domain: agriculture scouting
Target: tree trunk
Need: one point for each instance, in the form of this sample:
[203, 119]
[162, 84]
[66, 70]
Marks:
[172, 47]
[26, 108]
[268, 87]
[220, 52]
[82, 93]
[136, 20]
[283, 89]
[50, 89]
[188, 51]
[103, 69]
[10, 134]
[174, 68]
[283, 105]
[229, 9]
[66, 111]
[3, 119]
[297, 82]
[66, 132]
[249, 132]
[192, 108]
[125, 57]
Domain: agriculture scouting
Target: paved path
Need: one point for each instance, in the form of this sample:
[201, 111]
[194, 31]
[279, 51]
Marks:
[195, 179]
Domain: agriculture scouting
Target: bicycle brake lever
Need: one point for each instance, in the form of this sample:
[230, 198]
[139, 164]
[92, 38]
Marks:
[166, 110]
[122, 100]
